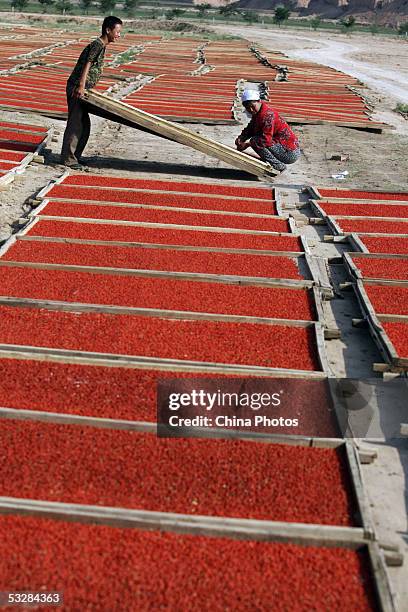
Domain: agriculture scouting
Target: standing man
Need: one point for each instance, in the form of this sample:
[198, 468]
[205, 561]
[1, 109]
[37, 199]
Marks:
[85, 75]
[267, 133]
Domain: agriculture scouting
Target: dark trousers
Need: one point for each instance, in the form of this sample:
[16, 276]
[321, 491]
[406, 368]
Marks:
[77, 130]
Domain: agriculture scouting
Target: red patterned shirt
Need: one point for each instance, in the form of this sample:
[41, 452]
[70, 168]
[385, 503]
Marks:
[267, 128]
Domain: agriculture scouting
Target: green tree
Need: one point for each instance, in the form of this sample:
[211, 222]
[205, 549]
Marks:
[107, 7]
[45, 4]
[228, 10]
[281, 15]
[347, 25]
[315, 23]
[20, 5]
[403, 29]
[175, 13]
[85, 5]
[250, 16]
[203, 9]
[130, 7]
[64, 6]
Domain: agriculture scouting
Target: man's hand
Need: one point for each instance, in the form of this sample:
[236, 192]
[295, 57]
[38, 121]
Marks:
[78, 91]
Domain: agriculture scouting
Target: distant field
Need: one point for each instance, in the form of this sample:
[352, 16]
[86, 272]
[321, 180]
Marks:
[156, 10]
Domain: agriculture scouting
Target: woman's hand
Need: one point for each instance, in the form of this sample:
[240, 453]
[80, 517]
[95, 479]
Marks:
[241, 146]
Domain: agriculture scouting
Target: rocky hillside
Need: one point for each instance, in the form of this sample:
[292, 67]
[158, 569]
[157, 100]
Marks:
[390, 12]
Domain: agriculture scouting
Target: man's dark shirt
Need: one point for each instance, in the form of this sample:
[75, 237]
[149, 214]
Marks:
[94, 53]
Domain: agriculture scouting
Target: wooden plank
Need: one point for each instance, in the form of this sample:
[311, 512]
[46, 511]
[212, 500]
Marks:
[378, 256]
[151, 426]
[44, 192]
[15, 351]
[6, 179]
[147, 312]
[334, 227]
[367, 126]
[45, 113]
[317, 209]
[384, 593]
[357, 244]
[248, 529]
[193, 276]
[198, 228]
[361, 201]
[351, 267]
[175, 226]
[320, 273]
[378, 333]
[321, 348]
[180, 134]
[392, 318]
[23, 235]
[199, 211]
[367, 218]
[390, 282]
[314, 192]
[353, 465]
[202, 120]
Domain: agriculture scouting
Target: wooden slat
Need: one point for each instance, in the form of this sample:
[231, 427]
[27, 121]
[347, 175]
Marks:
[252, 529]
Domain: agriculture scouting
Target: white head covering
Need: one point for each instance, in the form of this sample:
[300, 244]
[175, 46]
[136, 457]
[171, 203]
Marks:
[250, 94]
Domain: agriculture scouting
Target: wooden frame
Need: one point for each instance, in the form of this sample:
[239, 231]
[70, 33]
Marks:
[199, 211]
[315, 194]
[147, 273]
[356, 244]
[378, 332]
[154, 312]
[332, 222]
[31, 222]
[21, 235]
[347, 450]
[136, 361]
[10, 175]
[166, 129]
[355, 272]
[304, 262]
[173, 226]
[44, 194]
[49, 113]
[362, 202]
[243, 529]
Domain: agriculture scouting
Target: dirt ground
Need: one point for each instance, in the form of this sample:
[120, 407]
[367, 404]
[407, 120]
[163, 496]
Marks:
[376, 161]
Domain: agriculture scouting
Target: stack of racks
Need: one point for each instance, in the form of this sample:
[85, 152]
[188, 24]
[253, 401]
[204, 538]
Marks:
[376, 224]
[19, 144]
[39, 90]
[66, 57]
[187, 99]
[174, 56]
[208, 96]
[112, 285]
[16, 46]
